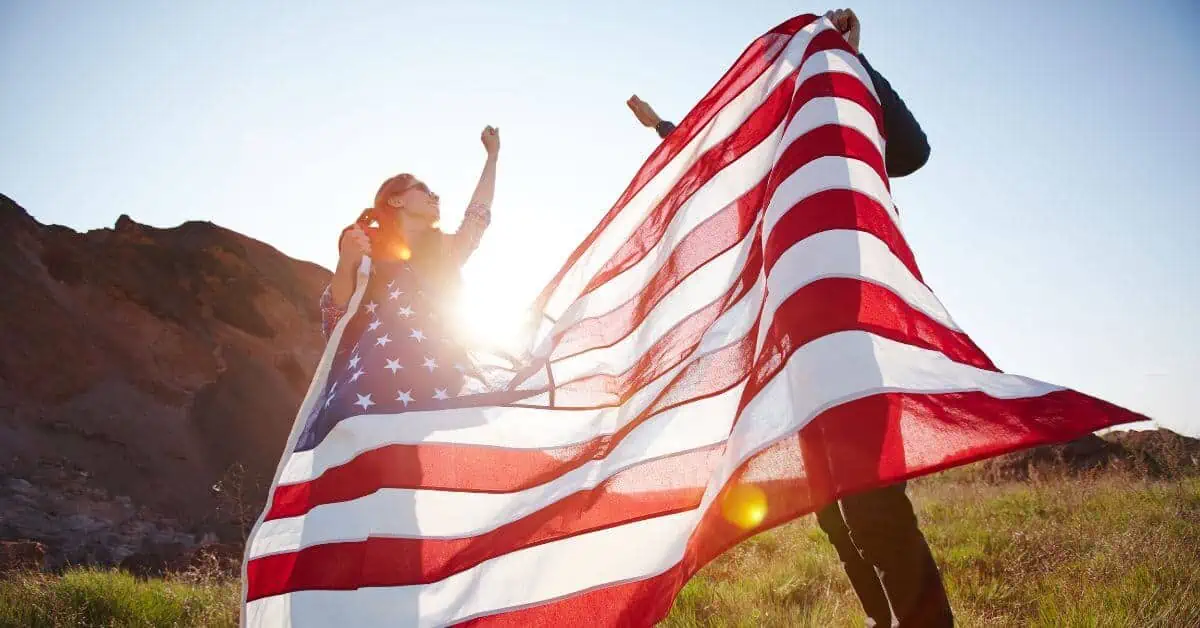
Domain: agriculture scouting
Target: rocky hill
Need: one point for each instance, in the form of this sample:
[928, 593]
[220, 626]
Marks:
[1158, 454]
[138, 367]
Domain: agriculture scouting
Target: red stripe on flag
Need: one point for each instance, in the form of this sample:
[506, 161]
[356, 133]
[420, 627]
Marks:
[639, 603]
[830, 140]
[782, 104]
[830, 210]
[827, 40]
[387, 561]
[862, 447]
[836, 304]
[712, 373]
[645, 602]
[729, 226]
[675, 345]
[764, 121]
[823, 307]
[759, 56]
[838, 85]
[714, 236]
[882, 439]
[469, 468]
[720, 232]
[437, 466]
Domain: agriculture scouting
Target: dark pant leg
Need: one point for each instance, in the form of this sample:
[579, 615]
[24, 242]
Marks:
[861, 573]
[884, 528]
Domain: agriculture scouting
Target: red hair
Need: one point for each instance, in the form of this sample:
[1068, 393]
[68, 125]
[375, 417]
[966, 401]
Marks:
[389, 241]
[381, 224]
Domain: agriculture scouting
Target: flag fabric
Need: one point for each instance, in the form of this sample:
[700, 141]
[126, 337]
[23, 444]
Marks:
[742, 339]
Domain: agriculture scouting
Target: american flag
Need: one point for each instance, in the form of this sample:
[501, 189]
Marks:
[742, 339]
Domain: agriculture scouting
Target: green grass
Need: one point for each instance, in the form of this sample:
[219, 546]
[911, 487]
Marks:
[92, 597]
[1101, 551]
[1109, 550]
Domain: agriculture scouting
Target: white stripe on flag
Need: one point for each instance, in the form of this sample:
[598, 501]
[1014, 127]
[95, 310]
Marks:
[507, 427]
[835, 369]
[528, 576]
[826, 173]
[422, 513]
[851, 254]
[728, 120]
[695, 292]
[827, 110]
[820, 375]
[838, 61]
[724, 188]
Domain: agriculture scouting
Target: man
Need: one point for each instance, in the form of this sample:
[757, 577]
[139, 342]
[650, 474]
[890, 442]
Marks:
[875, 533]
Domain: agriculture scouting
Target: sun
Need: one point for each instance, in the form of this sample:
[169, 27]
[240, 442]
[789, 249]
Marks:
[492, 307]
[489, 318]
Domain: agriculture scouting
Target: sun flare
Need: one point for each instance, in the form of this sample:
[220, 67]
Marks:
[493, 306]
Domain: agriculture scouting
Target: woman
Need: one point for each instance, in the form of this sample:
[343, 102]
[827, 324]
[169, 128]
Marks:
[415, 275]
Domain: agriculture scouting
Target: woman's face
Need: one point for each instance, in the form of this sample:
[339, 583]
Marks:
[419, 203]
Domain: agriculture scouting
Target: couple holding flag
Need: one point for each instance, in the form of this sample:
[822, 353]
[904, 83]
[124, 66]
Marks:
[743, 339]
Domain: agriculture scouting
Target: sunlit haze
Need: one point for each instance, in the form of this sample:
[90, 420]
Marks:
[1057, 218]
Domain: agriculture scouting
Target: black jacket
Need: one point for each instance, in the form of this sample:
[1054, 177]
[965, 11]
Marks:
[907, 148]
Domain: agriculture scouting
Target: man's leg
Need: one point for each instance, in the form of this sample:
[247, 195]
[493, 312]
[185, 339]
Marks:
[884, 528]
[861, 573]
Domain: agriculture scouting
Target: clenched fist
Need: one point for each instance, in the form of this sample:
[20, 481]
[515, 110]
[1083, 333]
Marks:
[491, 140]
[354, 245]
[847, 24]
[645, 114]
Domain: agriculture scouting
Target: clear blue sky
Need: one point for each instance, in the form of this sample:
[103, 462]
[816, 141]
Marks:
[1057, 219]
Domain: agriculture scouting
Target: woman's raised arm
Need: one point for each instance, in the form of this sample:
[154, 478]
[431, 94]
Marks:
[479, 211]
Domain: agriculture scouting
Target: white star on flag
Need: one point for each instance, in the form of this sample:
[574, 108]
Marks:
[430, 364]
[440, 394]
[395, 294]
[371, 307]
[405, 397]
[405, 311]
[353, 363]
[393, 366]
[383, 340]
[364, 401]
[417, 335]
[374, 325]
[357, 374]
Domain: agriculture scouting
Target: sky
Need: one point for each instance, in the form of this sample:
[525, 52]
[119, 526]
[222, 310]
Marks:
[1057, 218]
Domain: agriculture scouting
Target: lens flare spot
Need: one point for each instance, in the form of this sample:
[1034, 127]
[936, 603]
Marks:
[403, 252]
[745, 506]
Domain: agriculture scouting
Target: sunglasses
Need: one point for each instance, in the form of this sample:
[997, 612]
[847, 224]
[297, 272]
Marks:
[422, 188]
